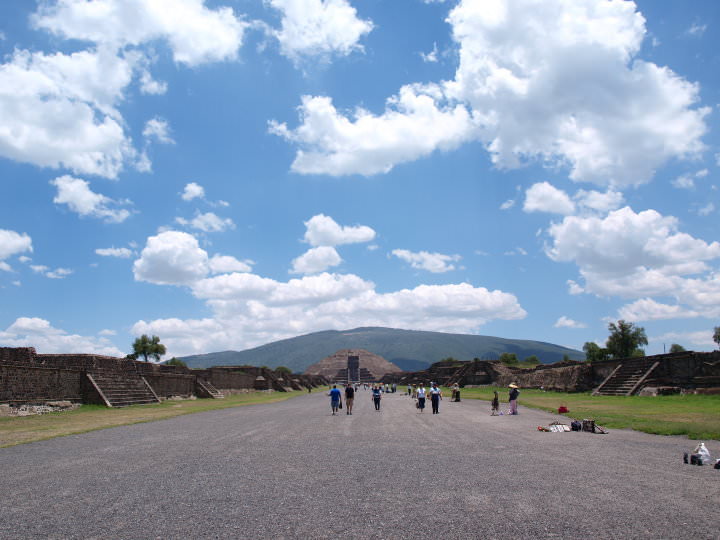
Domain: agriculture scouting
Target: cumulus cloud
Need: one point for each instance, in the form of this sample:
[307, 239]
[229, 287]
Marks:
[706, 210]
[39, 333]
[220, 264]
[565, 322]
[638, 255]
[311, 28]
[413, 125]
[432, 262]
[194, 33]
[647, 309]
[315, 260]
[58, 110]
[12, 243]
[507, 204]
[250, 310]
[556, 81]
[601, 202]
[193, 191]
[77, 195]
[121, 253]
[544, 197]
[171, 258]
[158, 129]
[207, 222]
[58, 273]
[322, 230]
[700, 339]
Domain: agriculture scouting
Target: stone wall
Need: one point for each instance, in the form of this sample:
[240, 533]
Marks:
[30, 384]
[167, 385]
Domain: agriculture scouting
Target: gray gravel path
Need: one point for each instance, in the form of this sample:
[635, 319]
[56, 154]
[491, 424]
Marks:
[291, 469]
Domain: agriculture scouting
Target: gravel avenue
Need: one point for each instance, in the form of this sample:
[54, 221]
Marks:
[290, 469]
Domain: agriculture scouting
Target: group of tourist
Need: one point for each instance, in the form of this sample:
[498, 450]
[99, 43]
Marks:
[419, 393]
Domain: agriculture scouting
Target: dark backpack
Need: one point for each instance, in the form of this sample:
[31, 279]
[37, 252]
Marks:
[576, 425]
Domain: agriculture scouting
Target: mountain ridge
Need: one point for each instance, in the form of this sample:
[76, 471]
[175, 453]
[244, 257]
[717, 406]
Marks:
[411, 350]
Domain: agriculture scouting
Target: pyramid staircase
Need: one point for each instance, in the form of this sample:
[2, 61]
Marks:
[627, 377]
[122, 389]
[206, 389]
[459, 374]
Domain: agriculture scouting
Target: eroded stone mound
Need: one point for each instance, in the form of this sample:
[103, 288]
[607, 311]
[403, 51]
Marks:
[357, 365]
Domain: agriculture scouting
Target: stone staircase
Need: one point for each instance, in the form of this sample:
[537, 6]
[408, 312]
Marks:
[120, 389]
[626, 379]
[206, 389]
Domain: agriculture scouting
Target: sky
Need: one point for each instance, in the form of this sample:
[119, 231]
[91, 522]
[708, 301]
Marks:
[224, 174]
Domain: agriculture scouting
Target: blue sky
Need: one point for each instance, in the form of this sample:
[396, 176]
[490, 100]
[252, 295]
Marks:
[227, 173]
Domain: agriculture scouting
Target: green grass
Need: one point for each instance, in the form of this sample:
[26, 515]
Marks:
[19, 430]
[697, 416]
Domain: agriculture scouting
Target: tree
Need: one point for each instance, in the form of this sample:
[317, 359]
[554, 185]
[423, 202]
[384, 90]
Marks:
[716, 336]
[148, 347]
[509, 359]
[677, 348]
[283, 370]
[594, 353]
[625, 340]
[175, 362]
[532, 360]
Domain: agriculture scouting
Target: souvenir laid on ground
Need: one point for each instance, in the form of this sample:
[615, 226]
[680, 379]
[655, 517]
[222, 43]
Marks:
[700, 456]
[562, 409]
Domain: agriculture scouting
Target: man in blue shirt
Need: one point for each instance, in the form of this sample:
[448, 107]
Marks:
[334, 399]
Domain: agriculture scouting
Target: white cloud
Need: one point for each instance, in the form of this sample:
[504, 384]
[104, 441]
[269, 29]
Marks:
[76, 193]
[220, 264]
[701, 338]
[58, 273]
[322, 230]
[559, 81]
[432, 56]
[39, 333]
[194, 33]
[59, 110]
[565, 322]
[601, 202]
[696, 29]
[706, 210]
[432, 262]
[121, 253]
[315, 260]
[647, 309]
[544, 197]
[318, 28]
[107, 332]
[171, 258]
[517, 251]
[12, 243]
[683, 182]
[250, 310]
[158, 129]
[637, 256]
[553, 81]
[5, 267]
[193, 191]
[148, 85]
[507, 204]
[412, 126]
[207, 222]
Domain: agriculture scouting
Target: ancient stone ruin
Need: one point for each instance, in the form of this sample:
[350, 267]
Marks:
[28, 378]
[353, 365]
[650, 375]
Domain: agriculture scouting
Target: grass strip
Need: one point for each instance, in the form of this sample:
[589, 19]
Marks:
[697, 416]
[24, 429]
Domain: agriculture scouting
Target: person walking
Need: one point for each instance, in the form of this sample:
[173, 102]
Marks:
[376, 396]
[334, 399]
[514, 393]
[435, 397]
[349, 398]
[420, 392]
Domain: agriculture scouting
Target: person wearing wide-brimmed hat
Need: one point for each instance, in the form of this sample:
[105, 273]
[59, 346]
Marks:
[514, 393]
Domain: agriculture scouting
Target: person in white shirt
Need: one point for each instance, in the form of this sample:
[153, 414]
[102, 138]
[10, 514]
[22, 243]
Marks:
[421, 392]
[435, 397]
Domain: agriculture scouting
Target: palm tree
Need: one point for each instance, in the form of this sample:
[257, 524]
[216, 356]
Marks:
[148, 347]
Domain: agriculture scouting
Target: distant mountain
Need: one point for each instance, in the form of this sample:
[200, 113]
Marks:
[411, 350]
